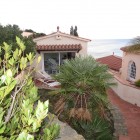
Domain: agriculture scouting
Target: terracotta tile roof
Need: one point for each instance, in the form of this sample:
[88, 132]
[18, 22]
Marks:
[63, 47]
[113, 62]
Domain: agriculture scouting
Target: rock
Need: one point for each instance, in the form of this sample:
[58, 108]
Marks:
[66, 132]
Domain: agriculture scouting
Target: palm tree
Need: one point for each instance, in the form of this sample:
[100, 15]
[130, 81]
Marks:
[83, 88]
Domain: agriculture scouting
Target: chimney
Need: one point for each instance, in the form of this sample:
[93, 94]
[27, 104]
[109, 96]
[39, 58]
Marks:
[113, 53]
[57, 28]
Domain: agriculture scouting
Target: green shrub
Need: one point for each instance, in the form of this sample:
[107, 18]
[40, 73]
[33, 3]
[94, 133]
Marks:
[97, 129]
[21, 113]
[137, 83]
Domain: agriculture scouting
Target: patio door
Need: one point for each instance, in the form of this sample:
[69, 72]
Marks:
[53, 60]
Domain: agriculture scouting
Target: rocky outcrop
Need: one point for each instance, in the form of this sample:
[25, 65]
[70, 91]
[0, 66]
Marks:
[66, 132]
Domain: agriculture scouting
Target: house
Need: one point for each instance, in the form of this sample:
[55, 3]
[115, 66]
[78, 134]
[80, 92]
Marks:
[131, 63]
[56, 47]
[112, 61]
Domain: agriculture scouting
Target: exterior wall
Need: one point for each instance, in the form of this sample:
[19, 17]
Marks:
[63, 40]
[127, 57]
[128, 93]
[83, 51]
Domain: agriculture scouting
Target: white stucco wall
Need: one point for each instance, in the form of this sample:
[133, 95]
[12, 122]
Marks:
[127, 57]
[53, 40]
[128, 93]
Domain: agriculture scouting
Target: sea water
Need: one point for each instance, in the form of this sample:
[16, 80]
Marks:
[104, 47]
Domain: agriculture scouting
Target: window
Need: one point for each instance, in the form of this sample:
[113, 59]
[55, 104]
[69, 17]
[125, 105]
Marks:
[55, 59]
[132, 70]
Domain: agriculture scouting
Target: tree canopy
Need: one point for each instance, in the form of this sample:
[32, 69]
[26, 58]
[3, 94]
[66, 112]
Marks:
[29, 30]
[35, 34]
[8, 34]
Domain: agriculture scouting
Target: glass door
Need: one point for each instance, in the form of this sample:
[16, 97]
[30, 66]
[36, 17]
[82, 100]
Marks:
[51, 62]
[66, 55]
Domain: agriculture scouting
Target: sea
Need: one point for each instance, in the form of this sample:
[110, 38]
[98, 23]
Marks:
[103, 47]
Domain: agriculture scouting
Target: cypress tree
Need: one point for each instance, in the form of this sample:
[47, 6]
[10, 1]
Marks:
[71, 31]
[75, 31]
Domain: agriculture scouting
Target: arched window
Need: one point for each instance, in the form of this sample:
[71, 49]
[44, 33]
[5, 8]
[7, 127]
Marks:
[132, 70]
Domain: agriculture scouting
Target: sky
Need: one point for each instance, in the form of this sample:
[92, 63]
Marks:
[95, 19]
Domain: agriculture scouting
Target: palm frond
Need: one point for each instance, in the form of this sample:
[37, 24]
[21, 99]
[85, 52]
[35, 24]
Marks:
[83, 82]
[79, 113]
[72, 113]
[87, 115]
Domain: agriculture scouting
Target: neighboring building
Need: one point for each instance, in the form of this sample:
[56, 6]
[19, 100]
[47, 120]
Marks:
[125, 75]
[112, 61]
[128, 65]
[56, 47]
[26, 34]
[131, 63]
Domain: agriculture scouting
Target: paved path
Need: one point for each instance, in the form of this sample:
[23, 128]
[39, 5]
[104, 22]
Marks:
[131, 115]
